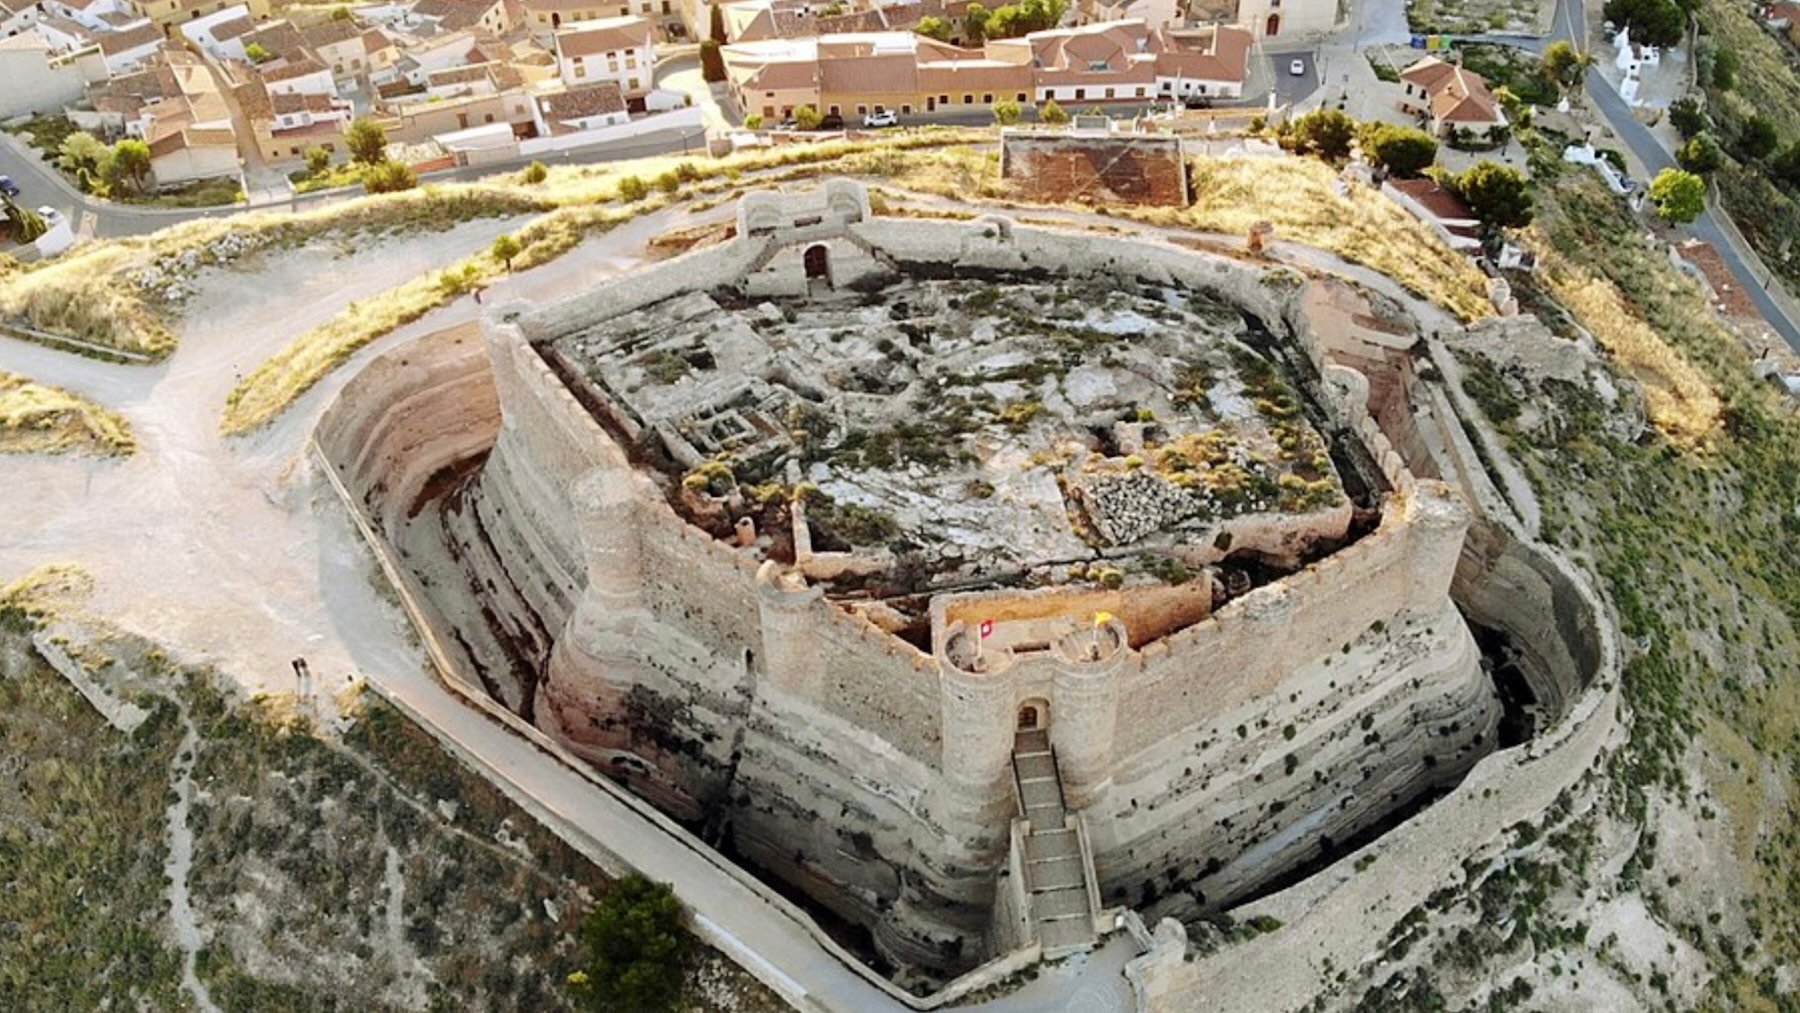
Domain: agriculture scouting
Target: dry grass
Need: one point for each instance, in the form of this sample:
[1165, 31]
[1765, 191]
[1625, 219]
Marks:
[1677, 395]
[35, 419]
[1231, 194]
[86, 294]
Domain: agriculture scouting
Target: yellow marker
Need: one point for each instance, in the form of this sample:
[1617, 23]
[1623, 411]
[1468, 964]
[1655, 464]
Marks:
[1102, 618]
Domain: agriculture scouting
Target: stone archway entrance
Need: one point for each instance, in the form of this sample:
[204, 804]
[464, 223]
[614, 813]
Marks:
[1274, 25]
[818, 264]
[1034, 715]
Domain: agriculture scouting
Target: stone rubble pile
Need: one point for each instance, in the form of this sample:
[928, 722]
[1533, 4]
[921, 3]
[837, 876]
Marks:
[169, 278]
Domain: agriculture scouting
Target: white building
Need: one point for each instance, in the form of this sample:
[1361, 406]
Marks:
[39, 81]
[206, 33]
[16, 16]
[620, 50]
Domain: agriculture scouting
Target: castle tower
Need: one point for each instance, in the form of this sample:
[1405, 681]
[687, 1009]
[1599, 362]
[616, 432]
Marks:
[793, 660]
[978, 724]
[1085, 708]
[1437, 522]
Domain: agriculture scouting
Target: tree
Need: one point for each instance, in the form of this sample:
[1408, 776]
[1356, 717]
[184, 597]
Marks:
[317, 160]
[505, 248]
[1565, 65]
[340, 14]
[636, 945]
[536, 173]
[1685, 116]
[1652, 22]
[717, 29]
[1498, 194]
[753, 121]
[712, 61]
[1679, 196]
[1326, 133]
[807, 118]
[256, 52]
[934, 27]
[1007, 112]
[25, 224]
[1725, 69]
[81, 153]
[389, 177]
[1053, 114]
[129, 162]
[367, 141]
[975, 19]
[1701, 154]
[1758, 138]
[1785, 167]
[1403, 150]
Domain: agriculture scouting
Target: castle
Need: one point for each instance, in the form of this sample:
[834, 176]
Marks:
[969, 579]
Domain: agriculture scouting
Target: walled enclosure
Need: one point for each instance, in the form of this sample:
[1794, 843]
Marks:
[872, 773]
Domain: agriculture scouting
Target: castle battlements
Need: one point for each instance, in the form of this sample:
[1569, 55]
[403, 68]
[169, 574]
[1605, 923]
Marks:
[844, 505]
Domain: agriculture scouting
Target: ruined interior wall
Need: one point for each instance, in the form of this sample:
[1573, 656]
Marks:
[1149, 612]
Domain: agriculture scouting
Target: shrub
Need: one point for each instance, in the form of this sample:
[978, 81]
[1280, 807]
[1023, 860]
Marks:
[753, 121]
[389, 177]
[633, 188]
[1007, 112]
[1326, 133]
[1701, 154]
[1403, 150]
[1679, 196]
[317, 160]
[1685, 116]
[808, 118]
[505, 248]
[129, 162]
[1758, 138]
[367, 141]
[1053, 113]
[1498, 194]
[668, 182]
[636, 947]
[536, 173]
[712, 62]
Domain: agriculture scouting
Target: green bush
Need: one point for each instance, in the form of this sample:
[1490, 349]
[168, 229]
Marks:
[637, 948]
[633, 188]
[536, 173]
[389, 177]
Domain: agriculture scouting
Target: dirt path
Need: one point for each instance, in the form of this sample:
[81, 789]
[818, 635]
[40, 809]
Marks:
[228, 550]
[181, 861]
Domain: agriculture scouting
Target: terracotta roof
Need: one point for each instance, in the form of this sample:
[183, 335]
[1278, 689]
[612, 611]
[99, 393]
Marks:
[112, 43]
[280, 38]
[563, 6]
[459, 75]
[227, 30]
[785, 75]
[288, 102]
[1457, 95]
[947, 76]
[288, 70]
[887, 74]
[1116, 52]
[455, 14]
[1437, 201]
[581, 103]
[1214, 53]
[331, 32]
[610, 35]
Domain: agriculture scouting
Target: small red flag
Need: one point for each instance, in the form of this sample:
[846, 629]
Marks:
[987, 628]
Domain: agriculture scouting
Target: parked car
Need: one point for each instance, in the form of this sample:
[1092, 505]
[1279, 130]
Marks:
[1297, 68]
[831, 121]
[882, 118]
[788, 124]
[1198, 102]
[8, 187]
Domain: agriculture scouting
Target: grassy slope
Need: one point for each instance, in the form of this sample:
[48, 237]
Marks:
[1694, 548]
[39, 419]
[292, 842]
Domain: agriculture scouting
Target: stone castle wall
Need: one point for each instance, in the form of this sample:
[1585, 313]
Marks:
[859, 768]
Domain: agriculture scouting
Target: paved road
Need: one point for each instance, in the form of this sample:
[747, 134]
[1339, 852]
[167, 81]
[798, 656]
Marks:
[1571, 24]
[41, 185]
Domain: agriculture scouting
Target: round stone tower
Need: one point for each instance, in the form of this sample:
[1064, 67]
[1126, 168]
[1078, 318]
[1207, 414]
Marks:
[1085, 708]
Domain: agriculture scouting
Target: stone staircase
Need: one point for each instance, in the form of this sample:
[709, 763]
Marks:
[1058, 871]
